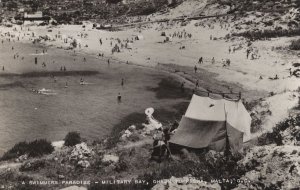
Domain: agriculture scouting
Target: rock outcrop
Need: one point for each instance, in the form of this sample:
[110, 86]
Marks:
[271, 166]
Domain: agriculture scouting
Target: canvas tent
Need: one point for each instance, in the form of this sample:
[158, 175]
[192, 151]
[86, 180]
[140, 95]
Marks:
[214, 124]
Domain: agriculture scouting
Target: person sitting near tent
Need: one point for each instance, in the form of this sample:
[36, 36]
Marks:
[200, 60]
[159, 146]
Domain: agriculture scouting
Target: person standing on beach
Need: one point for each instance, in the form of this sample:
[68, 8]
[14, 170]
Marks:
[108, 61]
[119, 97]
[182, 86]
[248, 52]
[213, 60]
[195, 68]
[2, 68]
[122, 82]
[197, 83]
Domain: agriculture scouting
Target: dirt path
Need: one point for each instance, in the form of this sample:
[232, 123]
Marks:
[137, 144]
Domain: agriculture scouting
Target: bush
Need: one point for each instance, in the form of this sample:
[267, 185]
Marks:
[121, 166]
[33, 166]
[295, 45]
[33, 149]
[39, 148]
[16, 151]
[72, 138]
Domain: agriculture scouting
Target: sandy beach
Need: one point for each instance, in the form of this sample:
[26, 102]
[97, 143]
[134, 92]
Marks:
[149, 51]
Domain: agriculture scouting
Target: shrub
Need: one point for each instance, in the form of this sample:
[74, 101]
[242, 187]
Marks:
[121, 166]
[255, 124]
[39, 148]
[33, 149]
[72, 138]
[295, 45]
[16, 151]
[33, 166]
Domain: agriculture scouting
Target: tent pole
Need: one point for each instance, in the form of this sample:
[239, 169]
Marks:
[227, 139]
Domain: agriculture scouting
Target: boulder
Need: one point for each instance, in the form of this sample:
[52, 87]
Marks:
[58, 144]
[22, 158]
[132, 128]
[84, 163]
[80, 152]
[109, 158]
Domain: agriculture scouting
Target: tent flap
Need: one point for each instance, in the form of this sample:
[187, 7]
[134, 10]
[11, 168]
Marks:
[197, 133]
